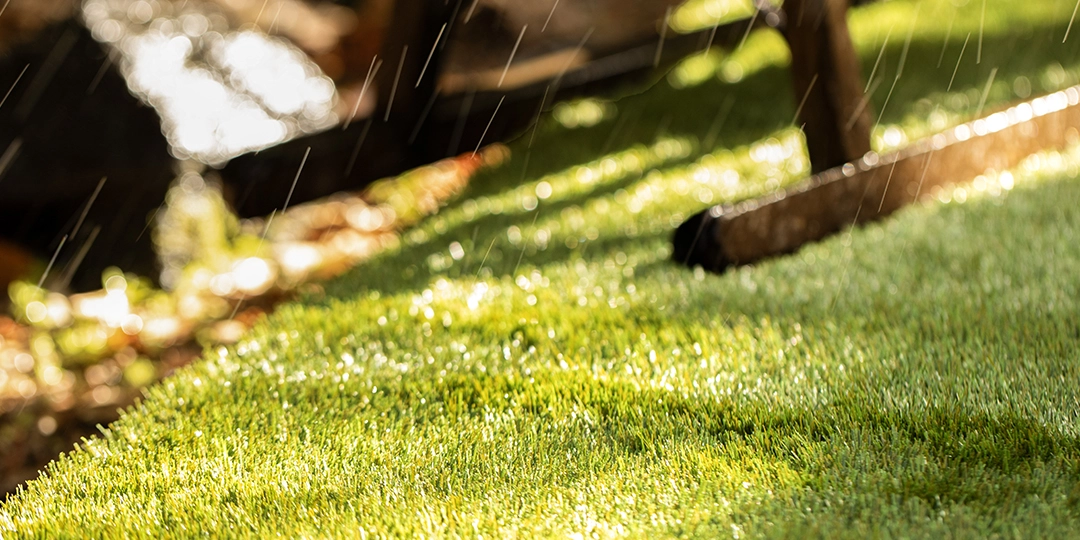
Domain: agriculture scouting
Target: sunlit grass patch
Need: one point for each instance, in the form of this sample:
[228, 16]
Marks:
[616, 394]
[529, 362]
[697, 14]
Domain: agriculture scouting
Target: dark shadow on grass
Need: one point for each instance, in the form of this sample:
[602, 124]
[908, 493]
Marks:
[763, 101]
[936, 302]
[965, 447]
[763, 104]
[964, 334]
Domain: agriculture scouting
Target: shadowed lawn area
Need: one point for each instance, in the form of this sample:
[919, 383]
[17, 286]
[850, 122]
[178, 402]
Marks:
[529, 362]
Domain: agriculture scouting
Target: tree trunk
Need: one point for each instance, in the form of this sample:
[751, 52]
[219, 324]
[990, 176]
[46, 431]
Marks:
[828, 86]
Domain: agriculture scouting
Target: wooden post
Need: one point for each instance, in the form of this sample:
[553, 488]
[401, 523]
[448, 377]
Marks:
[408, 52]
[828, 86]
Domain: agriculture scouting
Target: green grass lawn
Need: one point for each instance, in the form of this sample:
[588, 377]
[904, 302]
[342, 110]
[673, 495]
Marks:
[530, 363]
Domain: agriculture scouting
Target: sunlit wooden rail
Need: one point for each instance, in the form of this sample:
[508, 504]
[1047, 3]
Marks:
[876, 185]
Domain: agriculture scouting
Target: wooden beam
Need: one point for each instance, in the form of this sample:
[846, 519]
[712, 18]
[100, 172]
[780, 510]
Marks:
[875, 186]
